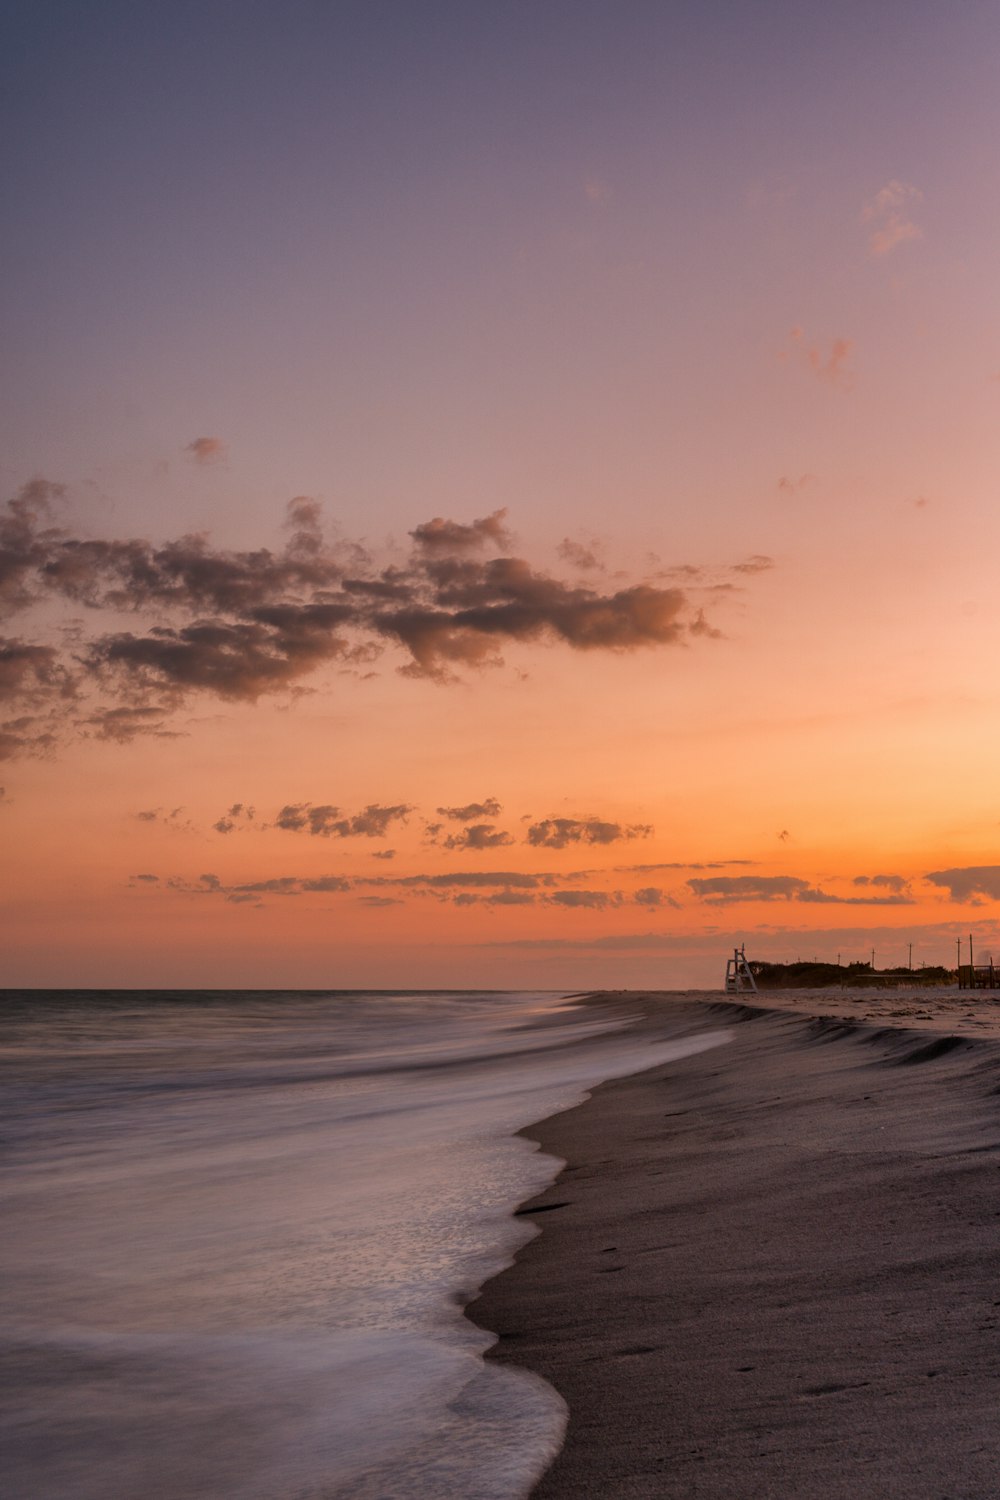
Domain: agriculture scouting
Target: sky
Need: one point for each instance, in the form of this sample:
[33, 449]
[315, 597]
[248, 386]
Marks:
[496, 495]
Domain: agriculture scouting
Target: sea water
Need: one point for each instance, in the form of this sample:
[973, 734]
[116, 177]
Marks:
[239, 1230]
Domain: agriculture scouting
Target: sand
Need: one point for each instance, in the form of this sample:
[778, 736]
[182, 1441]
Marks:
[773, 1269]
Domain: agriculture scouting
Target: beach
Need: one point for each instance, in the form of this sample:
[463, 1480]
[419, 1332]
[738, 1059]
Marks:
[771, 1269]
[240, 1228]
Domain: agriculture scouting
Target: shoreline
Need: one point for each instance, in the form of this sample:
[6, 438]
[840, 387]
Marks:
[769, 1269]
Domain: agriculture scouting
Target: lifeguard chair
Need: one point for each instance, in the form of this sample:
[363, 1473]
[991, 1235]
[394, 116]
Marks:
[738, 973]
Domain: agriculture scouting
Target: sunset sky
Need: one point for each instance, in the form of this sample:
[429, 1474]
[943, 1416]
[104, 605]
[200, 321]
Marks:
[497, 495]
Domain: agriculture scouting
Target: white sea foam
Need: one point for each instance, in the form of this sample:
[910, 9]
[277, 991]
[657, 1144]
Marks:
[241, 1230]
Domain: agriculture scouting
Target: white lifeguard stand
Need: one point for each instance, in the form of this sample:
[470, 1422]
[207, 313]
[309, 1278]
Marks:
[738, 973]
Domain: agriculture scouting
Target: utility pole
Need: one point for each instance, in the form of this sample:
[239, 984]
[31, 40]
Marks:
[873, 960]
[910, 962]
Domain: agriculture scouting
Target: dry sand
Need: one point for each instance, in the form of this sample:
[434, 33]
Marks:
[773, 1269]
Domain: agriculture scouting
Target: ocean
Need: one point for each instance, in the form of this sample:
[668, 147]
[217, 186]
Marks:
[239, 1229]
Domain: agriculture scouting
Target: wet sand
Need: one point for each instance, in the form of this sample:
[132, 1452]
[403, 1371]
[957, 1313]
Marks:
[773, 1269]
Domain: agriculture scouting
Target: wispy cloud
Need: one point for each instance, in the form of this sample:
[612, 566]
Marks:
[896, 883]
[254, 890]
[583, 556]
[680, 864]
[790, 484]
[722, 890]
[172, 818]
[827, 359]
[124, 723]
[888, 214]
[586, 900]
[776, 942]
[596, 191]
[463, 888]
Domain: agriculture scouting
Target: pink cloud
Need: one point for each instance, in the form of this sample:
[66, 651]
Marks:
[828, 362]
[888, 213]
[207, 450]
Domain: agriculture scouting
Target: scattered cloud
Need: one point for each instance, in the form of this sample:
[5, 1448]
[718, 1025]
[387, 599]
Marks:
[505, 897]
[207, 450]
[239, 813]
[583, 556]
[296, 817]
[459, 887]
[791, 485]
[235, 660]
[479, 606]
[488, 808]
[725, 888]
[826, 360]
[439, 535]
[236, 626]
[326, 821]
[558, 833]
[888, 214]
[896, 883]
[25, 534]
[519, 879]
[31, 673]
[172, 818]
[700, 626]
[478, 836]
[827, 898]
[27, 735]
[375, 820]
[653, 897]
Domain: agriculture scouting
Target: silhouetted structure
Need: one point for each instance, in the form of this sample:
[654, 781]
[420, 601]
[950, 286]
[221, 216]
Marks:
[739, 975]
[809, 975]
[979, 976]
